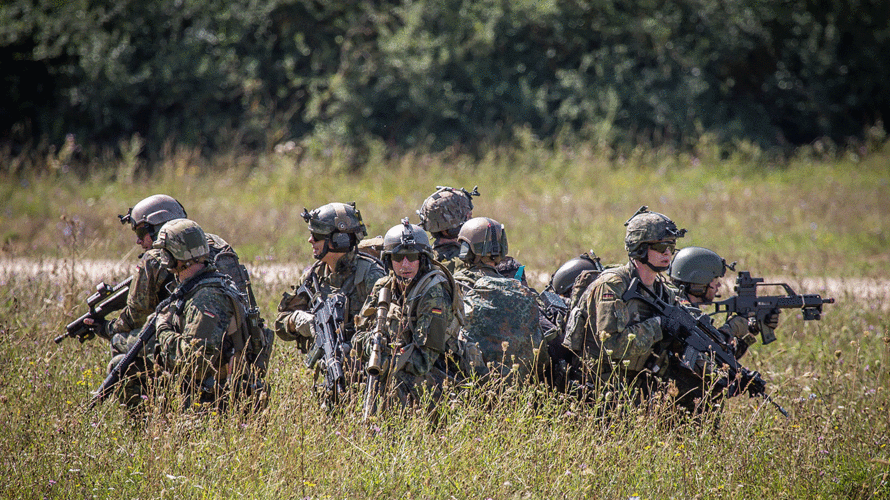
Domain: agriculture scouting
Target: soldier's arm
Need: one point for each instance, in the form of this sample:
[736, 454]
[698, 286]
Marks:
[288, 325]
[142, 297]
[366, 320]
[625, 336]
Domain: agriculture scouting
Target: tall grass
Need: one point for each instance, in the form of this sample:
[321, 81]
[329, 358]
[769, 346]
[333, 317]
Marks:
[809, 217]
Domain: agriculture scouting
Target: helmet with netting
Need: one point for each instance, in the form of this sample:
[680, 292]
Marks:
[341, 223]
[482, 237]
[447, 209]
[646, 227]
[154, 211]
[564, 278]
[405, 238]
[182, 240]
[696, 265]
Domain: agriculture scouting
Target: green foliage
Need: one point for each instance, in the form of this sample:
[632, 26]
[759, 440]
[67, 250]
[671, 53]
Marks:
[432, 74]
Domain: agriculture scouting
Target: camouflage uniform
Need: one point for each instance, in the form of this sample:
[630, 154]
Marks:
[354, 275]
[447, 255]
[618, 332]
[421, 323]
[471, 273]
[191, 335]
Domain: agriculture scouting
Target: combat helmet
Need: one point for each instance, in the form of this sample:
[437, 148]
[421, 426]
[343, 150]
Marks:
[339, 224]
[406, 238]
[562, 280]
[154, 211]
[482, 237]
[182, 240]
[446, 210]
[693, 269]
[646, 227]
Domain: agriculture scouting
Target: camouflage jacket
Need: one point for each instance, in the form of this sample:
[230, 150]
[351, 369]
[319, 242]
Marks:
[619, 330]
[148, 287]
[447, 255]
[354, 275]
[467, 276]
[191, 332]
[420, 321]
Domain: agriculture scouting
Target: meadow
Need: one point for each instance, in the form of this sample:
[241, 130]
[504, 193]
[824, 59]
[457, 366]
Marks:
[818, 217]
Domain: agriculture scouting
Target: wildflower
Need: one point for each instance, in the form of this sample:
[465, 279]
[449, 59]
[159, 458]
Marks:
[631, 337]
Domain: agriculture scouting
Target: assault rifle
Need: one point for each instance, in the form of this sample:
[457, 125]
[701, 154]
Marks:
[105, 301]
[747, 303]
[699, 337]
[330, 347]
[145, 336]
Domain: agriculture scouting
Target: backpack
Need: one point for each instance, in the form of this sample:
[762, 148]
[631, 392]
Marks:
[502, 317]
[576, 319]
[256, 337]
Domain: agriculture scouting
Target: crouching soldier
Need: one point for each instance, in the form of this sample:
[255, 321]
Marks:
[410, 321]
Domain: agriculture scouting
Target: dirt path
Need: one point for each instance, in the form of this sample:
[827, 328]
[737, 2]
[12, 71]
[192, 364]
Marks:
[281, 275]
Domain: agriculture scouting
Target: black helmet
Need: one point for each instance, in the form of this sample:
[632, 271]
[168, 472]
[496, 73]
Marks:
[562, 280]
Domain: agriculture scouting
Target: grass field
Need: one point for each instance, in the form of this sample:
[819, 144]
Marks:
[808, 217]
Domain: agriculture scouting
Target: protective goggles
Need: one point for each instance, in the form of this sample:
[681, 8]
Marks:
[142, 230]
[663, 246]
[399, 257]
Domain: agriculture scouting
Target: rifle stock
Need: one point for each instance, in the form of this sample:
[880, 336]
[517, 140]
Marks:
[105, 301]
[747, 303]
[702, 338]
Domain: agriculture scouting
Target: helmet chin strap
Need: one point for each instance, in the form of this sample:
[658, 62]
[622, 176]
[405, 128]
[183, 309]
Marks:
[657, 269]
[324, 251]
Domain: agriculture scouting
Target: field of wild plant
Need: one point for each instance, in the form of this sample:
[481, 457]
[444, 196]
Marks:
[819, 221]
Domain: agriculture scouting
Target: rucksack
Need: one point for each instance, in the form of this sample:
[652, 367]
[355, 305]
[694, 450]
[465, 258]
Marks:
[258, 339]
[502, 317]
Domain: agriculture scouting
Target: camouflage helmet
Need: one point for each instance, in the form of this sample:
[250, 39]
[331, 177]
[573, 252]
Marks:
[564, 278]
[447, 209]
[182, 240]
[482, 237]
[697, 265]
[154, 211]
[405, 238]
[648, 227]
[336, 221]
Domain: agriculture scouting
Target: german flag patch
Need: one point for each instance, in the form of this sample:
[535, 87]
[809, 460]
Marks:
[608, 296]
[436, 310]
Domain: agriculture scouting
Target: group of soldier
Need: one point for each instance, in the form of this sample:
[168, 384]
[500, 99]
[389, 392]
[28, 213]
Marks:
[417, 316]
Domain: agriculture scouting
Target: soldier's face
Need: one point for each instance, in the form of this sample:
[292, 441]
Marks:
[661, 258]
[317, 245]
[143, 238]
[712, 290]
[404, 268]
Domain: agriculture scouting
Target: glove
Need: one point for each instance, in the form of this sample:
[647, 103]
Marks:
[772, 319]
[100, 328]
[301, 323]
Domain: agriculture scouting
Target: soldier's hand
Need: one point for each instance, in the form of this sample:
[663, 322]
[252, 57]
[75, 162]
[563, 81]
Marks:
[772, 319]
[301, 323]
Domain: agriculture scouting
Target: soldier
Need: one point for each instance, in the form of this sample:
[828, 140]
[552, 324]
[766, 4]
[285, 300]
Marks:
[335, 230]
[202, 334]
[617, 340]
[483, 245]
[149, 285]
[442, 214]
[503, 314]
[696, 273]
[418, 303]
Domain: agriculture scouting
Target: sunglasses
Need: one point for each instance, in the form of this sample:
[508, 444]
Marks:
[318, 236]
[399, 257]
[663, 246]
[141, 230]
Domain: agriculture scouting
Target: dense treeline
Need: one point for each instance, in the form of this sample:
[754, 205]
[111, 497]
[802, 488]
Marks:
[434, 73]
